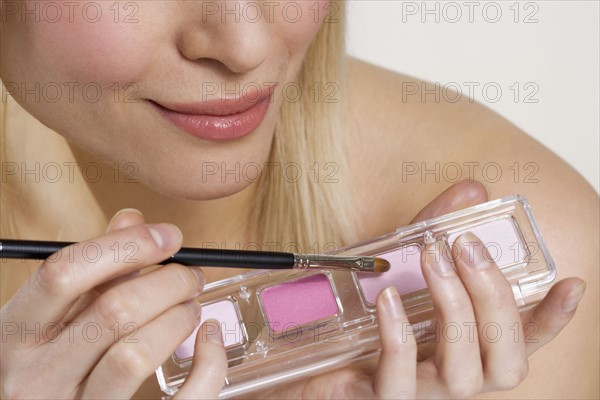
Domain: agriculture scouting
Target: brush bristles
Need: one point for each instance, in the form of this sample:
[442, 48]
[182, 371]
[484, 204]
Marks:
[381, 265]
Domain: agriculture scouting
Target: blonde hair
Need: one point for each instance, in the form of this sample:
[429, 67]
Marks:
[310, 132]
[315, 209]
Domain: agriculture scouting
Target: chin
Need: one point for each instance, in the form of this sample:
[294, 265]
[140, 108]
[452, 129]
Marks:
[192, 186]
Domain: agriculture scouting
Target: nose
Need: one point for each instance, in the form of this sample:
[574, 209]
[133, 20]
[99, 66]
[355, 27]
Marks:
[234, 33]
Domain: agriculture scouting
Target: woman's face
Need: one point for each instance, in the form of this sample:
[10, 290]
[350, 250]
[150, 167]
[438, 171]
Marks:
[189, 91]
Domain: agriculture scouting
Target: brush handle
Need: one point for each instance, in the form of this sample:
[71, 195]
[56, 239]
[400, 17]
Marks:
[40, 250]
[233, 258]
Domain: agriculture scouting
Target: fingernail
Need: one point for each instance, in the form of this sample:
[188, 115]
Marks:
[213, 331]
[392, 302]
[200, 276]
[196, 308]
[473, 252]
[437, 259]
[166, 236]
[123, 211]
[573, 299]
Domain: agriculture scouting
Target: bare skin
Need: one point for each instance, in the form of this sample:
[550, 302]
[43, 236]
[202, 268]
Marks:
[413, 131]
[565, 206]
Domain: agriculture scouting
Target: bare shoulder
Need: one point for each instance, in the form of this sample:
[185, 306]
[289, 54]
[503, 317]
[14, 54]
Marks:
[406, 148]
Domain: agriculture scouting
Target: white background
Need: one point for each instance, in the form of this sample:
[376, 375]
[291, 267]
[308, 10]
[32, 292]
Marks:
[552, 45]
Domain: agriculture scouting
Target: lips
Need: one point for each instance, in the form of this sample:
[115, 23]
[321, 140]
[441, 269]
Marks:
[226, 119]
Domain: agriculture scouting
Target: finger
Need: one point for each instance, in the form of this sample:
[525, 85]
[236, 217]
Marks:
[544, 322]
[122, 219]
[63, 277]
[458, 196]
[503, 353]
[127, 364]
[125, 218]
[129, 305]
[397, 370]
[457, 356]
[209, 368]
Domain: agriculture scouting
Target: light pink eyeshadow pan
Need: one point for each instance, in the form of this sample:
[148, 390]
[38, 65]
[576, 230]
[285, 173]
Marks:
[405, 274]
[501, 240]
[298, 302]
[231, 329]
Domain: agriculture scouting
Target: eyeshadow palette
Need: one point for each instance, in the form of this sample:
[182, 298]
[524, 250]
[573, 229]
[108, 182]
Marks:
[282, 325]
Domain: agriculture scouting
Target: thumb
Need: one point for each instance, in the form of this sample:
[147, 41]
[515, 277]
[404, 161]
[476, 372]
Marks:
[544, 322]
[458, 196]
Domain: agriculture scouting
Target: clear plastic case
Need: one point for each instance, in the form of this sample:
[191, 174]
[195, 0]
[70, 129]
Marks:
[278, 326]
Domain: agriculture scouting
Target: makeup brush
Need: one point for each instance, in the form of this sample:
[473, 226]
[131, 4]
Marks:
[40, 250]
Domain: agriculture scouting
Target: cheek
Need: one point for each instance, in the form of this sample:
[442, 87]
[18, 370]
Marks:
[299, 22]
[99, 42]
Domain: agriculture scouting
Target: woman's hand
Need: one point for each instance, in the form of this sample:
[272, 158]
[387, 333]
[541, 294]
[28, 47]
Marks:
[482, 341]
[89, 325]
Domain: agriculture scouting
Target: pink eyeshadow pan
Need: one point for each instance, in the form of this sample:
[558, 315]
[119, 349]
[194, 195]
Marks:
[298, 302]
[501, 240]
[405, 274]
[231, 328]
